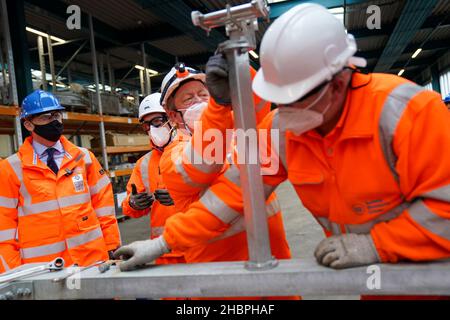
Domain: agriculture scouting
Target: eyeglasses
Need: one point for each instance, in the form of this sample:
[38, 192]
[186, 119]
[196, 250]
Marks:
[155, 122]
[312, 92]
[45, 118]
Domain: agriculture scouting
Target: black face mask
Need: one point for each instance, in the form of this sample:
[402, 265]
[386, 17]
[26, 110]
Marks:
[51, 131]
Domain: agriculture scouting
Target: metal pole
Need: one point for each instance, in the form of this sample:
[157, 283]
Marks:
[51, 61]
[241, 24]
[102, 72]
[146, 75]
[110, 72]
[12, 74]
[97, 92]
[40, 44]
[251, 180]
[142, 81]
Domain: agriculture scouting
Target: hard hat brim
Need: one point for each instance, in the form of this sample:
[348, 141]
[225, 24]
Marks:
[43, 110]
[284, 94]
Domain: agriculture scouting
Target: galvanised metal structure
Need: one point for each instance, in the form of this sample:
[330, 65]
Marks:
[225, 279]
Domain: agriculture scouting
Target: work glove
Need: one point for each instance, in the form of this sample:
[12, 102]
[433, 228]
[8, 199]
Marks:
[346, 251]
[217, 79]
[163, 196]
[139, 253]
[141, 200]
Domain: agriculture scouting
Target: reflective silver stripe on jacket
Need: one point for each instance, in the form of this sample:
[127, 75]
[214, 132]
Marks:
[280, 149]
[441, 194]
[187, 180]
[51, 205]
[103, 182]
[84, 238]
[9, 203]
[45, 250]
[144, 171]
[105, 211]
[238, 226]
[16, 165]
[8, 234]
[362, 228]
[87, 156]
[429, 220]
[233, 175]
[391, 114]
[193, 158]
[5, 265]
[219, 208]
[60, 246]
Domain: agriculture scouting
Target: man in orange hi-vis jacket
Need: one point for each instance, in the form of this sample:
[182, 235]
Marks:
[55, 199]
[150, 196]
[206, 192]
[359, 149]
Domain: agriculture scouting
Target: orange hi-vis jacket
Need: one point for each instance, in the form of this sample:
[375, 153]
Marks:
[384, 169]
[44, 216]
[147, 178]
[211, 227]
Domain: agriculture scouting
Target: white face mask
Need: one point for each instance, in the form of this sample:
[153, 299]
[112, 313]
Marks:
[298, 120]
[193, 113]
[160, 136]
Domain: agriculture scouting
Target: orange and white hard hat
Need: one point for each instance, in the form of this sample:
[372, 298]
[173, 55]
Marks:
[177, 75]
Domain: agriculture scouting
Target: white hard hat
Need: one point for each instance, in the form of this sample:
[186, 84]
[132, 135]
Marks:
[150, 104]
[303, 48]
[175, 77]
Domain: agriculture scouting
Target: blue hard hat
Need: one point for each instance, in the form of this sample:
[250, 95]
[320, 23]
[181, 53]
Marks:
[39, 102]
[447, 99]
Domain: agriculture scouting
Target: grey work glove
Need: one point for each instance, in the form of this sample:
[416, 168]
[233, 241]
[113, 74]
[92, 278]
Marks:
[141, 200]
[163, 197]
[217, 79]
[139, 253]
[346, 251]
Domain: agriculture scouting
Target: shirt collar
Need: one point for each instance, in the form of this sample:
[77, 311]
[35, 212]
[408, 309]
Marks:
[40, 149]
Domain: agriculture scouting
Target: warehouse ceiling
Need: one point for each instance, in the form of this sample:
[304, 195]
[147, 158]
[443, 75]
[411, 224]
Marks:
[165, 28]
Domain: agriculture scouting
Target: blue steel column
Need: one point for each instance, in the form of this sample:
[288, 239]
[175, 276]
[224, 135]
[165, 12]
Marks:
[435, 78]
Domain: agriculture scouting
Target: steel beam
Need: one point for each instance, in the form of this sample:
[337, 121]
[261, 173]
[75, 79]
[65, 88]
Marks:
[51, 61]
[414, 14]
[228, 279]
[40, 45]
[97, 92]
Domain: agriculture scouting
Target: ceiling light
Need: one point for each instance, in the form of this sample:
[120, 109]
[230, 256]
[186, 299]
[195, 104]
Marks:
[43, 34]
[415, 54]
[401, 72]
[151, 71]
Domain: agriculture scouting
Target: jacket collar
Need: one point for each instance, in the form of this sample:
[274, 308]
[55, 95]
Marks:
[30, 158]
[358, 118]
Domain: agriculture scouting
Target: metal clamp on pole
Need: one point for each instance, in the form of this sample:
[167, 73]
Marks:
[241, 24]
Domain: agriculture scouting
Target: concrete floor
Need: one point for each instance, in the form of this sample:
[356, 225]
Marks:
[303, 232]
